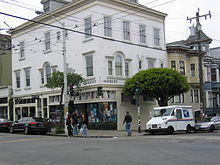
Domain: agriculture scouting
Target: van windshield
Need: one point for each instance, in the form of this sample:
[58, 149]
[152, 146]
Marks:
[162, 112]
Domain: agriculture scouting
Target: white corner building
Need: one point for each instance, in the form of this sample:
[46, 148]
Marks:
[107, 41]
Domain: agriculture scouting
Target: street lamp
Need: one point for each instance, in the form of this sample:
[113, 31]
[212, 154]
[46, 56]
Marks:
[64, 61]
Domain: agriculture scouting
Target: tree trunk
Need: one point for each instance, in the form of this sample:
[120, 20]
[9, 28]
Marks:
[162, 102]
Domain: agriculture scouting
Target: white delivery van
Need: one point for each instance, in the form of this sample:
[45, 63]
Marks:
[170, 119]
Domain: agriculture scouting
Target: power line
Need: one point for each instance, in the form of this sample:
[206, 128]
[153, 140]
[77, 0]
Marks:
[163, 3]
[97, 36]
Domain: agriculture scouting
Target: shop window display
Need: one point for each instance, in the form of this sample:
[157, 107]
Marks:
[102, 115]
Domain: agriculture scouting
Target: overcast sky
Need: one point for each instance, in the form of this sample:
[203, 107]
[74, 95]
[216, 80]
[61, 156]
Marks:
[176, 23]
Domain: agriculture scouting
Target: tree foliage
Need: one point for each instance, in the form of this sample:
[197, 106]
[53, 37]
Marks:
[57, 80]
[159, 83]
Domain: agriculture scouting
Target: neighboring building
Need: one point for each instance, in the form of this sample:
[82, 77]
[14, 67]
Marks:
[5, 75]
[212, 84]
[106, 42]
[184, 58]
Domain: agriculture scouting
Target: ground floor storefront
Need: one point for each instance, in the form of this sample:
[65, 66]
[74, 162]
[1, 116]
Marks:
[105, 112]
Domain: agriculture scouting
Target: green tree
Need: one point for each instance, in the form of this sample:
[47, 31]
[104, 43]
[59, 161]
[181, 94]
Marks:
[159, 83]
[57, 81]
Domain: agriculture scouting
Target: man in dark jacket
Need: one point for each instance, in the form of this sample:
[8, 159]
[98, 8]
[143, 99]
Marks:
[128, 120]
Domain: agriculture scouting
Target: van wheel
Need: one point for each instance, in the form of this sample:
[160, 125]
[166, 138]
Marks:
[188, 129]
[170, 130]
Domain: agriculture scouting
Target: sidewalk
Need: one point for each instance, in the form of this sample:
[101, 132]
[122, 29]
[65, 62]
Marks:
[103, 134]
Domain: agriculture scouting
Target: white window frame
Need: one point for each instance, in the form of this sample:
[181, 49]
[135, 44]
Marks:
[42, 79]
[108, 26]
[192, 70]
[27, 77]
[47, 72]
[18, 79]
[127, 69]
[118, 65]
[126, 31]
[142, 33]
[22, 46]
[182, 67]
[89, 65]
[110, 67]
[47, 41]
[213, 74]
[151, 63]
[156, 37]
[173, 64]
[88, 27]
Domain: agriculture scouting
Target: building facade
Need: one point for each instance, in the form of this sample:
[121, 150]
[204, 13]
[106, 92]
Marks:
[184, 58]
[212, 82]
[106, 43]
[5, 76]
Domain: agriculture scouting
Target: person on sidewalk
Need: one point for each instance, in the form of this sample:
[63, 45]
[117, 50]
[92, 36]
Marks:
[69, 124]
[127, 121]
[83, 129]
[75, 123]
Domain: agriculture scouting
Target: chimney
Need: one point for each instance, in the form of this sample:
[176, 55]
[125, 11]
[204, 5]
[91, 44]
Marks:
[192, 30]
[136, 1]
[49, 5]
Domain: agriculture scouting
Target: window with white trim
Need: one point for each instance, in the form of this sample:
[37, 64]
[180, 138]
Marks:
[191, 94]
[21, 49]
[192, 70]
[156, 37]
[42, 76]
[182, 67]
[173, 65]
[108, 26]
[213, 74]
[47, 41]
[27, 77]
[142, 31]
[110, 69]
[18, 79]
[151, 63]
[118, 65]
[89, 65]
[196, 96]
[48, 72]
[140, 64]
[126, 30]
[88, 27]
[127, 69]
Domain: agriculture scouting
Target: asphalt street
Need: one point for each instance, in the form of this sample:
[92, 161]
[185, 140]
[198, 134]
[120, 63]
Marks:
[177, 149]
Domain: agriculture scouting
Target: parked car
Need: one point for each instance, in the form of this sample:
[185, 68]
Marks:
[30, 125]
[5, 124]
[209, 125]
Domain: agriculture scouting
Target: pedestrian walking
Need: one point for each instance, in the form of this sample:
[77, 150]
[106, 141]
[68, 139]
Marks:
[75, 123]
[84, 130]
[69, 124]
[127, 121]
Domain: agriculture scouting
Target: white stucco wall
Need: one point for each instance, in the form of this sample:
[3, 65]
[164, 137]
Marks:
[77, 47]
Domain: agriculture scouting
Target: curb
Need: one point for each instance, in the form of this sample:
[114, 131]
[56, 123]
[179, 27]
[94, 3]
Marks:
[81, 136]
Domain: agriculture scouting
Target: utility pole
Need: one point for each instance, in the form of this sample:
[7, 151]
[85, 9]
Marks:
[137, 92]
[65, 109]
[200, 54]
